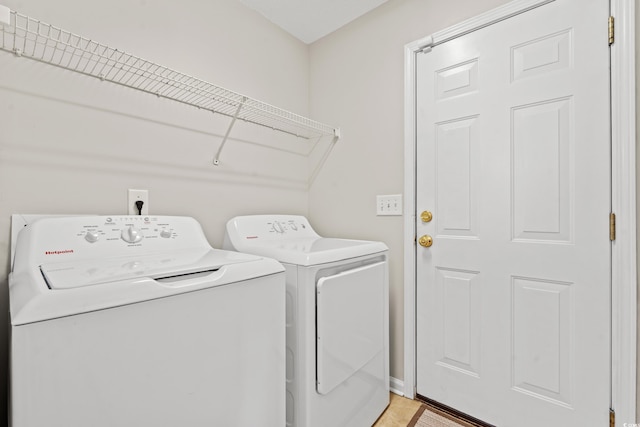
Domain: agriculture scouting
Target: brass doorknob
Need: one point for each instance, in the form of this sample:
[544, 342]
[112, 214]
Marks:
[426, 216]
[425, 241]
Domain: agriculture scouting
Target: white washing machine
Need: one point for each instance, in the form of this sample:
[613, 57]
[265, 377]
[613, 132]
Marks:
[138, 322]
[337, 319]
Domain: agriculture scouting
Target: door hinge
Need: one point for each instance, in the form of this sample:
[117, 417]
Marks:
[611, 30]
[612, 226]
[612, 418]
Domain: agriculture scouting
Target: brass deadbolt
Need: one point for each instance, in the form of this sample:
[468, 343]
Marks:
[425, 241]
[426, 216]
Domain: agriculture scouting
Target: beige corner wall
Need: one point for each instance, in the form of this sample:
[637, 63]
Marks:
[73, 144]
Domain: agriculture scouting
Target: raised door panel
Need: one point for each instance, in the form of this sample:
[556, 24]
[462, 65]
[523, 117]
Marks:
[456, 200]
[542, 171]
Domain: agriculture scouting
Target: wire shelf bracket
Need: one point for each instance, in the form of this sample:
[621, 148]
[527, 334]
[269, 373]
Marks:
[28, 37]
[216, 160]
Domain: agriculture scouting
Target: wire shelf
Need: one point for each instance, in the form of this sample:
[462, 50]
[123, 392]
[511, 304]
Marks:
[31, 38]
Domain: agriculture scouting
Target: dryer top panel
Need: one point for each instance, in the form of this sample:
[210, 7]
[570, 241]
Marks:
[291, 239]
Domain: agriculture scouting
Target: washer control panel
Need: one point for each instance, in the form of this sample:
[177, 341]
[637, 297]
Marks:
[62, 239]
[129, 229]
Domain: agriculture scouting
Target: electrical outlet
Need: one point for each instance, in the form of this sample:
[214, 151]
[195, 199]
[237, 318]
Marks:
[133, 197]
[389, 205]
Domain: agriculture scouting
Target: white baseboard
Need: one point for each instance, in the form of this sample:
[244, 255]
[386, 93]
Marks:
[396, 386]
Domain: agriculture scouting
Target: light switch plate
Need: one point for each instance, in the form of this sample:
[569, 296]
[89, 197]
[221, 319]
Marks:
[389, 205]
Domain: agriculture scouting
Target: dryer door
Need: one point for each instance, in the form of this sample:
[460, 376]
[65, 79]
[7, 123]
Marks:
[350, 323]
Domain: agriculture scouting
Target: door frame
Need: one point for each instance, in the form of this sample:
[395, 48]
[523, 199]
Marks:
[623, 196]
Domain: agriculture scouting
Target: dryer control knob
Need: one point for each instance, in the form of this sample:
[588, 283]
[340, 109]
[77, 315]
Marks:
[277, 227]
[92, 236]
[131, 234]
[165, 233]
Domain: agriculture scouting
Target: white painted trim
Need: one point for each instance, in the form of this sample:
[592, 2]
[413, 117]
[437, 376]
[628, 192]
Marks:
[501, 13]
[624, 291]
[623, 204]
[396, 386]
[411, 50]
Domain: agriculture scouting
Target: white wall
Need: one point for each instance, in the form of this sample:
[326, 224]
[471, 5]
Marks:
[74, 144]
[357, 82]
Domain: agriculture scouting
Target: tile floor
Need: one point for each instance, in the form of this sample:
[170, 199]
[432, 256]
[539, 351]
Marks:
[399, 412]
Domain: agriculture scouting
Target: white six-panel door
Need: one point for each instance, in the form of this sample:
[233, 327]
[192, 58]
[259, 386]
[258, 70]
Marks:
[513, 162]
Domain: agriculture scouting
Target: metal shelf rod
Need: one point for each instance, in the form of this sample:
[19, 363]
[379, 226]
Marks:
[216, 160]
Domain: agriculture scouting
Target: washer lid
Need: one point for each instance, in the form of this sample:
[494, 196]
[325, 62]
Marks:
[76, 274]
[312, 251]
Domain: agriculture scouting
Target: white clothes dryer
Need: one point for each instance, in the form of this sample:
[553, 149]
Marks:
[138, 322]
[337, 319]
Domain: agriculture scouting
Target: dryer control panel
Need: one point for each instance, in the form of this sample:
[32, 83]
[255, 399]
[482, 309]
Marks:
[280, 227]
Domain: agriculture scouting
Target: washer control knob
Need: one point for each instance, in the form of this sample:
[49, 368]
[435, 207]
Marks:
[91, 236]
[131, 234]
[165, 233]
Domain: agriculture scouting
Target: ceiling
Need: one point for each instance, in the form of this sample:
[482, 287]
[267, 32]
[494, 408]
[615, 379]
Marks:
[310, 20]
